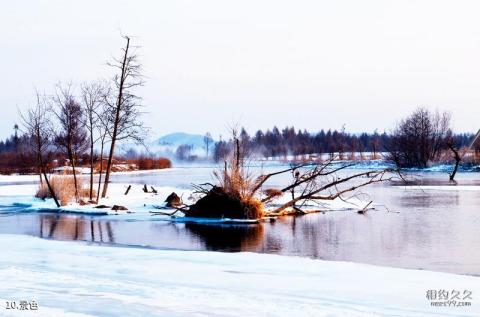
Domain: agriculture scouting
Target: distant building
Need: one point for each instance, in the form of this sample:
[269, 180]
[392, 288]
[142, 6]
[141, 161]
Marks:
[475, 147]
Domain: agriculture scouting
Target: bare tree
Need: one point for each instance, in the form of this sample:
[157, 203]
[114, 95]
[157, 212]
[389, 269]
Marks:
[420, 138]
[71, 135]
[93, 97]
[125, 111]
[38, 126]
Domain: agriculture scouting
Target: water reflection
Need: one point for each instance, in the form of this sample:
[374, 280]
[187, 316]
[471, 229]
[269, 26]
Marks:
[419, 199]
[228, 237]
[65, 227]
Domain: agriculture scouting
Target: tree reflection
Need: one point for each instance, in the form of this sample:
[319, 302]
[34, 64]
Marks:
[68, 227]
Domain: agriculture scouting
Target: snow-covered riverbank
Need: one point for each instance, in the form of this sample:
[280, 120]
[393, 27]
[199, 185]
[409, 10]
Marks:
[140, 205]
[70, 277]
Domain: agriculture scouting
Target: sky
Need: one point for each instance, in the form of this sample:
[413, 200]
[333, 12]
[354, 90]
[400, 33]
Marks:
[259, 63]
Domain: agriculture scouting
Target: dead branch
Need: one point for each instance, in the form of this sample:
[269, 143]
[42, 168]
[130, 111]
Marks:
[310, 176]
[315, 194]
[364, 209]
[263, 178]
[202, 188]
[154, 213]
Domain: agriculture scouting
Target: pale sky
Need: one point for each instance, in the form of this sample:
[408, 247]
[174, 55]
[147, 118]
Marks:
[311, 64]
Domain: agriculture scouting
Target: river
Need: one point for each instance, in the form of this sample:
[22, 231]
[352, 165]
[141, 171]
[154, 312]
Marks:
[429, 224]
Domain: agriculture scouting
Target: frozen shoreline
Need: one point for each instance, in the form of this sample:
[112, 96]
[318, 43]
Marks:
[141, 205]
[65, 278]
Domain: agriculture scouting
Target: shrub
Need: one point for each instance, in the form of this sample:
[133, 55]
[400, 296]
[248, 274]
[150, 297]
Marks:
[148, 163]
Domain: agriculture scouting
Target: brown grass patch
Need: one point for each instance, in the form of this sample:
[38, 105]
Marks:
[64, 188]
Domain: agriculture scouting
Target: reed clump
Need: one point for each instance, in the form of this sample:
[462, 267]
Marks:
[63, 186]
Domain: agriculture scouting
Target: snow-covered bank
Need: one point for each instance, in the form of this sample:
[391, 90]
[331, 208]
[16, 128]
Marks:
[140, 205]
[70, 277]
[137, 201]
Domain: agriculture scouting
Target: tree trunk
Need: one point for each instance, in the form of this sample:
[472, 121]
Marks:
[40, 175]
[42, 168]
[50, 189]
[91, 164]
[39, 167]
[72, 161]
[101, 170]
[117, 120]
[457, 158]
[109, 167]
[237, 154]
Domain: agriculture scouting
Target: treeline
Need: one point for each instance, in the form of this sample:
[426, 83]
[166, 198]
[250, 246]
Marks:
[278, 143]
[16, 157]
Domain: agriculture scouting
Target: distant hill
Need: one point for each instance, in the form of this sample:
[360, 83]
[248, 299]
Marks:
[178, 138]
[168, 144]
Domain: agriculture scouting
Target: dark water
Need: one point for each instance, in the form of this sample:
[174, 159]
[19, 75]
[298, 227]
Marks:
[436, 229]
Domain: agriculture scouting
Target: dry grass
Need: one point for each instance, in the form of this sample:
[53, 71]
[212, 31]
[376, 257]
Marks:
[238, 183]
[64, 188]
[235, 179]
[253, 208]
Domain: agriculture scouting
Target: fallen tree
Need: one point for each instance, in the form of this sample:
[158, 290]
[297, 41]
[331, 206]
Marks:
[239, 195]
